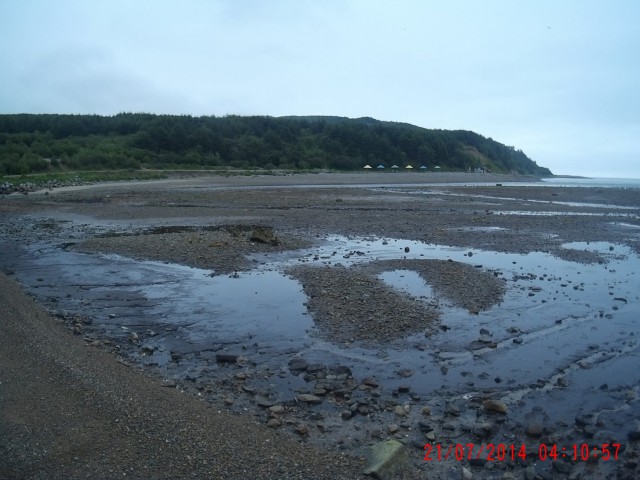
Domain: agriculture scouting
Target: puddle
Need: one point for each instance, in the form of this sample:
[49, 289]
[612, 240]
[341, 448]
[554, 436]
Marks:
[625, 225]
[513, 199]
[554, 315]
[480, 229]
[409, 282]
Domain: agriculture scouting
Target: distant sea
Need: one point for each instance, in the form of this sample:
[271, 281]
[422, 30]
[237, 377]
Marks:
[593, 182]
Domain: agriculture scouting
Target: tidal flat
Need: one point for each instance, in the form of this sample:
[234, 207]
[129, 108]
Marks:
[344, 310]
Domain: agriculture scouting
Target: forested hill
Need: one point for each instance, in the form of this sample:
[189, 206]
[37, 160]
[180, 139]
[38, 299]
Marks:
[37, 143]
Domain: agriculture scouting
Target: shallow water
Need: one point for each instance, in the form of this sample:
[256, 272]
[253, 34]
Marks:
[569, 320]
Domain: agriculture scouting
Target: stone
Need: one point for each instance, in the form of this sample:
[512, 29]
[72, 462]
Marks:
[370, 382]
[405, 372]
[273, 423]
[301, 429]
[393, 428]
[634, 435]
[263, 235]
[561, 467]
[298, 364]
[529, 473]
[398, 410]
[494, 406]
[264, 402]
[466, 474]
[426, 410]
[226, 358]
[346, 415]
[384, 459]
[535, 429]
[452, 409]
[276, 409]
[308, 398]
[424, 426]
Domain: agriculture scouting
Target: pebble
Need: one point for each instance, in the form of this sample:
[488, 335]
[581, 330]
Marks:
[534, 429]
[308, 398]
[494, 406]
[273, 423]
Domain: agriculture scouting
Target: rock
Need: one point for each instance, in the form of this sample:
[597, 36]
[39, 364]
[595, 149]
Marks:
[426, 410]
[228, 401]
[582, 420]
[175, 356]
[466, 474]
[561, 466]
[535, 429]
[370, 382]
[494, 406]
[301, 429]
[393, 428]
[226, 358]
[298, 364]
[425, 427]
[346, 414]
[384, 458]
[264, 402]
[483, 430]
[263, 235]
[308, 398]
[634, 435]
[398, 410]
[405, 372]
[276, 409]
[315, 367]
[363, 410]
[169, 383]
[529, 473]
[452, 409]
[273, 423]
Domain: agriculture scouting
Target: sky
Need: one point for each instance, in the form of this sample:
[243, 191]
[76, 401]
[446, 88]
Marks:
[559, 80]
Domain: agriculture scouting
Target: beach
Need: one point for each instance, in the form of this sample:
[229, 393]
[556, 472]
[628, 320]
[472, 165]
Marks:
[281, 325]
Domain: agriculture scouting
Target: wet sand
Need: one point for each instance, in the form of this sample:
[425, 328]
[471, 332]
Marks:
[194, 222]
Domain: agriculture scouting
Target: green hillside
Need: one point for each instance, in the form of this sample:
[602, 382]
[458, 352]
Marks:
[44, 143]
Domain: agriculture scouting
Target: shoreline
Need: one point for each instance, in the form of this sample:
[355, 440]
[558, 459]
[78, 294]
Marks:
[190, 223]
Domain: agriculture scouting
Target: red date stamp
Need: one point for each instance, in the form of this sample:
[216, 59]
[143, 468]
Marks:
[502, 452]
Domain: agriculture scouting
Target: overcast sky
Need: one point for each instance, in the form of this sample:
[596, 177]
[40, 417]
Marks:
[558, 79]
